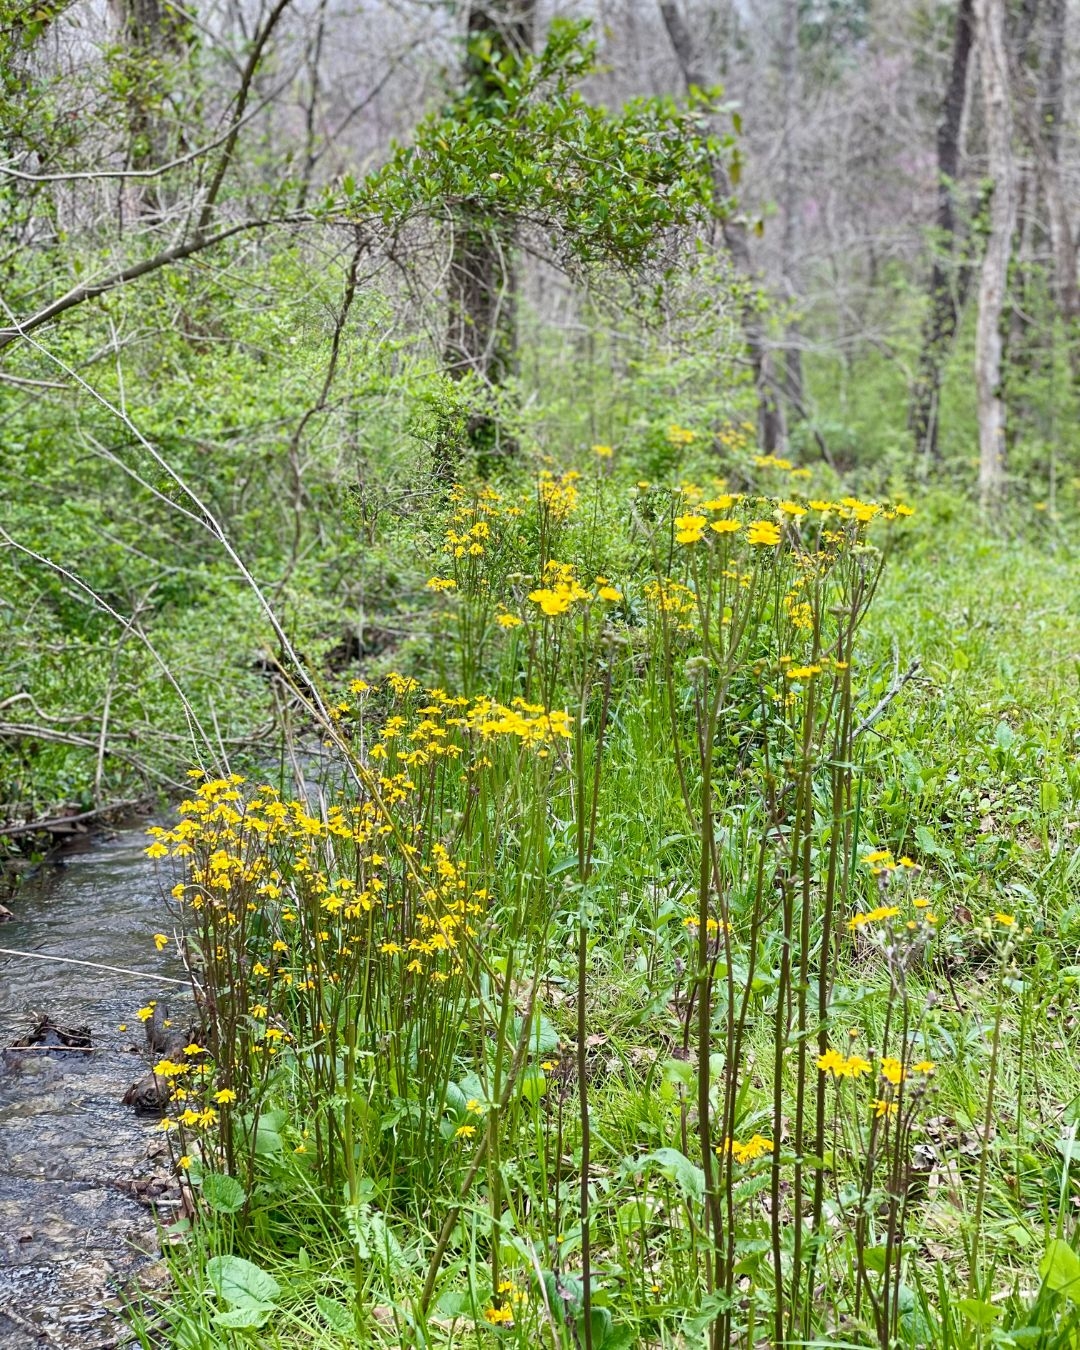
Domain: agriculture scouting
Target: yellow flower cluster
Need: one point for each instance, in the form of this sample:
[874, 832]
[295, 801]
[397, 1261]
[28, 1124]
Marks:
[451, 727]
[670, 597]
[757, 1146]
[558, 496]
[692, 527]
[563, 589]
[680, 436]
[854, 1066]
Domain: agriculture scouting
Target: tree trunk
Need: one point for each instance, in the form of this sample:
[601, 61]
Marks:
[156, 36]
[482, 281]
[771, 432]
[994, 68]
[482, 278]
[789, 75]
[1047, 147]
[943, 316]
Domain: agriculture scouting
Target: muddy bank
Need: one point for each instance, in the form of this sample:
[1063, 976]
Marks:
[77, 1169]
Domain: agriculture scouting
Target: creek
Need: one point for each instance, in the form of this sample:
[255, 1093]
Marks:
[78, 1169]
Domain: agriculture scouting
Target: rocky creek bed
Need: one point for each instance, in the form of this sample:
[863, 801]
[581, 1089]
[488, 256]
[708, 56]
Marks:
[84, 1183]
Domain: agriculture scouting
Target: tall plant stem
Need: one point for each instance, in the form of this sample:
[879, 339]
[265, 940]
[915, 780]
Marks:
[984, 1156]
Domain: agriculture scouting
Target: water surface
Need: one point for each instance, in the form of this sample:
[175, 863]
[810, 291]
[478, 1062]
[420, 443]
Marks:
[73, 1234]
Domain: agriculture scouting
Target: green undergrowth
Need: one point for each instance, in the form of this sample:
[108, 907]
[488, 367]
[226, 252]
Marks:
[646, 873]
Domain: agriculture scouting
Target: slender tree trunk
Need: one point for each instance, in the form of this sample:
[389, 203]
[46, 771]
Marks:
[994, 71]
[939, 329]
[1046, 143]
[789, 77]
[771, 431]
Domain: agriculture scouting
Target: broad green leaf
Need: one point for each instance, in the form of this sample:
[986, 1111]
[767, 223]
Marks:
[1060, 1269]
[223, 1193]
[241, 1283]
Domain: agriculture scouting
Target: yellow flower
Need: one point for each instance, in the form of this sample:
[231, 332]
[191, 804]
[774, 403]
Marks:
[763, 532]
[160, 941]
[224, 1095]
[878, 855]
[167, 1069]
[802, 672]
[831, 1062]
[145, 1014]
[474, 1106]
[442, 584]
[157, 850]
[603, 451]
[464, 1131]
[1006, 920]
[891, 1070]
[166, 1124]
[498, 1316]
[608, 593]
[791, 509]
[508, 620]
[883, 1107]
[192, 1049]
[689, 529]
[725, 526]
[551, 602]
[184, 1162]
[926, 1066]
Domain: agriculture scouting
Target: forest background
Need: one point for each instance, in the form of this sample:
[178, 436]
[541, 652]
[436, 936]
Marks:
[210, 244]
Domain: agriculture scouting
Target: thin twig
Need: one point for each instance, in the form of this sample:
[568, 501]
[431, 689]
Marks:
[48, 823]
[94, 965]
[887, 698]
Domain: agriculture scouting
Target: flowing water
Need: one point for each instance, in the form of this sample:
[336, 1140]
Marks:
[77, 1235]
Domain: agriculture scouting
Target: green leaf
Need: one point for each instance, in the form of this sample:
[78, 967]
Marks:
[337, 1317]
[223, 1193]
[928, 844]
[533, 1083]
[976, 1311]
[1060, 1269]
[244, 1319]
[678, 1168]
[241, 1283]
[543, 1038]
[874, 1259]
